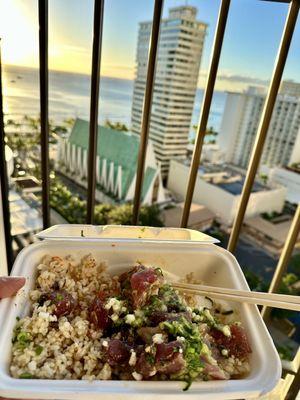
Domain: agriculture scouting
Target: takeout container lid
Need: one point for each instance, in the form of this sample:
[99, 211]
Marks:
[178, 253]
[125, 233]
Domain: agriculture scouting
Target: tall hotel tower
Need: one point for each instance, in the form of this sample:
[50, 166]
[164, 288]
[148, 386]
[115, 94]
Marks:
[241, 119]
[179, 55]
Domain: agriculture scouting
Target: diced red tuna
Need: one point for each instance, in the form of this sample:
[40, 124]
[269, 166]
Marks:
[145, 365]
[146, 333]
[98, 315]
[237, 343]
[168, 358]
[160, 316]
[215, 372]
[142, 281]
[118, 352]
[63, 301]
[172, 366]
[165, 351]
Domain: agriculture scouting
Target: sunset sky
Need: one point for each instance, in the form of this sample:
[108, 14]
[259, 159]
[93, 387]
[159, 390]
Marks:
[251, 41]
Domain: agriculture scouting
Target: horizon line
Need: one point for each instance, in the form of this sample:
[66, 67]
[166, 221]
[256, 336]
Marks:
[81, 73]
[64, 71]
[126, 79]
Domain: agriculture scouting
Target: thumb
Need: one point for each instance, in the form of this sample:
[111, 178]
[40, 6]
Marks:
[9, 285]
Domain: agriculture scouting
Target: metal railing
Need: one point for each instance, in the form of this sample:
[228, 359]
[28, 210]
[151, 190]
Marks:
[265, 120]
[206, 104]
[4, 181]
[44, 106]
[95, 82]
[158, 7]
[207, 98]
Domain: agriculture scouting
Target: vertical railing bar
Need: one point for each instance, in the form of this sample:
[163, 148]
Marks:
[4, 181]
[264, 121]
[284, 258]
[44, 96]
[207, 99]
[157, 13]
[295, 387]
[93, 131]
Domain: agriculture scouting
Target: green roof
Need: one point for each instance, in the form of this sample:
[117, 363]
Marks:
[118, 147]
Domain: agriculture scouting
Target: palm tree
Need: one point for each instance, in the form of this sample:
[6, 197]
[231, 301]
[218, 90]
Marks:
[209, 132]
[118, 126]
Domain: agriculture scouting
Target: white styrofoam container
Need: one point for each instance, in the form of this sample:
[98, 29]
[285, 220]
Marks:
[126, 233]
[210, 263]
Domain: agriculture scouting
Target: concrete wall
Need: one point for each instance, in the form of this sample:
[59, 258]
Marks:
[210, 196]
[289, 179]
[230, 124]
[177, 179]
[266, 201]
[221, 202]
[295, 156]
[212, 154]
[9, 157]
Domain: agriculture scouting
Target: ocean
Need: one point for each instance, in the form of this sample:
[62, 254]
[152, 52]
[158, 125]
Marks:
[69, 97]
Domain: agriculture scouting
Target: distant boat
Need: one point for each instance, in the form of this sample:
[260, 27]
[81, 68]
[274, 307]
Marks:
[13, 81]
[19, 77]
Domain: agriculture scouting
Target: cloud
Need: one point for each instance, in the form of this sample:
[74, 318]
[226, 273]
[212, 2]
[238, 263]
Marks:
[243, 78]
[227, 80]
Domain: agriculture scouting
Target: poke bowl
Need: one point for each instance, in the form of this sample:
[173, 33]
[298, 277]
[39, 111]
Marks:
[100, 318]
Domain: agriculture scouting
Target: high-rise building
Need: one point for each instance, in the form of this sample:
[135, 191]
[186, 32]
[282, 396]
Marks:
[290, 88]
[179, 55]
[240, 122]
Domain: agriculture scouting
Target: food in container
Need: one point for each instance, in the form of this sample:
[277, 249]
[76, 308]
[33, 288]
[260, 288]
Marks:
[207, 262]
[87, 324]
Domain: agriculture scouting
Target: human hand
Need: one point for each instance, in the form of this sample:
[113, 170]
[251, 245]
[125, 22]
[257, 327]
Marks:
[9, 285]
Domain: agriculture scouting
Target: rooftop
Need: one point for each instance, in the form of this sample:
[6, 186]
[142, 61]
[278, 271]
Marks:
[118, 147]
[227, 177]
[24, 219]
[277, 232]
[198, 215]
[28, 183]
[236, 187]
[183, 11]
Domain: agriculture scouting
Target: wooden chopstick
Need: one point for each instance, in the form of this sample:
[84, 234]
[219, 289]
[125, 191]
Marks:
[266, 299]
[245, 293]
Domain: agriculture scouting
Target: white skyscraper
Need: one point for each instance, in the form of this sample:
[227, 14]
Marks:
[240, 123]
[179, 55]
[291, 88]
